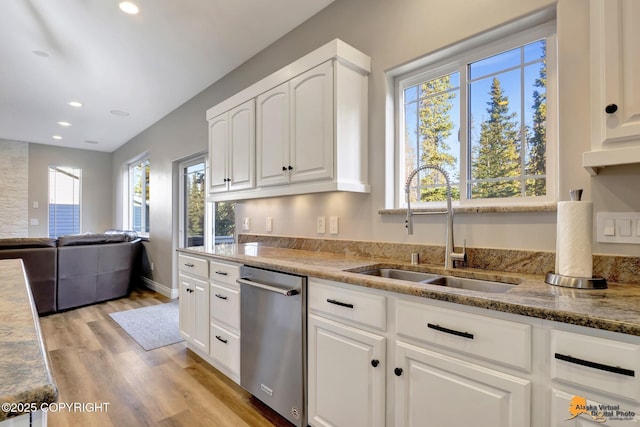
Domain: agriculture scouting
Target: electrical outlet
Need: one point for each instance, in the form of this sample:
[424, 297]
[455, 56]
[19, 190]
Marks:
[320, 225]
[333, 225]
[246, 224]
[269, 224]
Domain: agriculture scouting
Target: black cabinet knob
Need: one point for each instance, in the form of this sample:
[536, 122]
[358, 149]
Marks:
[375, 363]
[397, 371]
[611, 108]
[290, 167]
[284, 168]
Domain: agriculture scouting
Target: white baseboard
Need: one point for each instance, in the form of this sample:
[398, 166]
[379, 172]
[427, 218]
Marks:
[160, 288]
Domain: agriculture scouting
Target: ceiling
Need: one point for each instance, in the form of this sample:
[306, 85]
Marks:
[144, 65]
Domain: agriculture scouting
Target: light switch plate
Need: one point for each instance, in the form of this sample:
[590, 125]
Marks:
[618, 227]
[333, 225]
[321, 225]
[269, 224]
[246, 224]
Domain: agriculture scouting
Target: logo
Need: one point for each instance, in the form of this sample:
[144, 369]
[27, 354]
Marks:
[599, 413]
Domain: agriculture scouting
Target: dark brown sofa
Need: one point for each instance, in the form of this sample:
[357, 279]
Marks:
[76, 270]
[40, 260]
[94, 268]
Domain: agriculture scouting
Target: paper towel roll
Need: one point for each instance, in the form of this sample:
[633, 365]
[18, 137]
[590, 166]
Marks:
[573, 239]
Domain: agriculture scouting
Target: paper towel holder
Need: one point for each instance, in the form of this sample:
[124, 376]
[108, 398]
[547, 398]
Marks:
[575, 282]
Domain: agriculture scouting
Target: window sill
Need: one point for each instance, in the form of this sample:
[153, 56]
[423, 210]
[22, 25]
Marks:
[547, 207]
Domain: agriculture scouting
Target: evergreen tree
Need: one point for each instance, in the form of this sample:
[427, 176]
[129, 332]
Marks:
[537, 139]
[225, 219]
[196, 203]
[435, 127]
[497, 154]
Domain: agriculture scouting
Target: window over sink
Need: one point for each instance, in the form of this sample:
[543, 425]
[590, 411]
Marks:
[485, 112]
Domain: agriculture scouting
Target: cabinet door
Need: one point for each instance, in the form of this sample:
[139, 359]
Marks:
[615, 55]
[218, 143]
[186, 319]
[312, 124]
[242, 144]
[577, 410]
[436, 390]
[272, 136]
[200, 295]
[345, 388]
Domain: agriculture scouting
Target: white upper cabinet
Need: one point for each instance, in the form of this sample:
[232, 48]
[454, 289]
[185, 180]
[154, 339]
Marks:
[615, 84]
[272, 131]
[232, 149]
[312, 124]
[310, 128]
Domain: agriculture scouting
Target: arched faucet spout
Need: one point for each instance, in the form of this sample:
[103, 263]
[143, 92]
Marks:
[449, 252]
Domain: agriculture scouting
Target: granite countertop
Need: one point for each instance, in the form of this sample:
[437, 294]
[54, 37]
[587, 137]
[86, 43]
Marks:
[25, 378]
[614, 309]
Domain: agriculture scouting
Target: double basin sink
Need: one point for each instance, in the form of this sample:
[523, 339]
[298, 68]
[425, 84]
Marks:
[436, 279]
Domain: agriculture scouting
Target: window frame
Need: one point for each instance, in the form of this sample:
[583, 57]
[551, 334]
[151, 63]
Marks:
[55, 167]
[192, 161]
[128, 209]
[456, 59]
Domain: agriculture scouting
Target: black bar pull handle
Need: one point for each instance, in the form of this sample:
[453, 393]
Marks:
[221, 296]
[222, 340]
[450, 331]
[596, 365]
[222, 273]
[341, 304]
[188, 264]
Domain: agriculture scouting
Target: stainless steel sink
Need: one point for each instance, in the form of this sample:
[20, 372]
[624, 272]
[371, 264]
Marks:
[408, 275]
[472, 284]
[439, 280]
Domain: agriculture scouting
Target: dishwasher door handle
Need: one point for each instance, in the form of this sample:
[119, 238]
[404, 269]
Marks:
[282, 291]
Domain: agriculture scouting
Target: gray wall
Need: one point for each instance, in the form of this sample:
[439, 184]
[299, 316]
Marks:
[97, 186]
[392, 33]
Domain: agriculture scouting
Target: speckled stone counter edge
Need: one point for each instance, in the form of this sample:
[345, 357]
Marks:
[616, 309]
[25, 377]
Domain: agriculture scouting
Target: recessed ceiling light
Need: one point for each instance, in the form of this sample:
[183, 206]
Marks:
[40, 53]
[57, 137]
[119, 113]
[65, 124]
[75, 104]
[89, 141]
[128, 7]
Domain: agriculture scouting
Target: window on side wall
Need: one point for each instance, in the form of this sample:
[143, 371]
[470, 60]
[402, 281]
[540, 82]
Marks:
[64, 200]
[485, 116]
[138, 197]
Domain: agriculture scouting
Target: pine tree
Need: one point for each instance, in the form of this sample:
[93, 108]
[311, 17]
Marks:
[435, 127]
[537, 139]
[196, 202]
[497, 154]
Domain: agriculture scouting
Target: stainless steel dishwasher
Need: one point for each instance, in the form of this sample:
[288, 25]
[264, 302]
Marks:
[273, 340]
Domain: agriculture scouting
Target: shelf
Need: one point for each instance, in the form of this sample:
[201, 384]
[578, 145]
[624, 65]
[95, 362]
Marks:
[593, 161]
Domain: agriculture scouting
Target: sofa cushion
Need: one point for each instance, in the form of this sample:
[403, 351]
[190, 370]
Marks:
[90, 239]
[27, 242]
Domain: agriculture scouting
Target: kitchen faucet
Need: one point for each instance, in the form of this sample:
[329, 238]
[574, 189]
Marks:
[449, 252]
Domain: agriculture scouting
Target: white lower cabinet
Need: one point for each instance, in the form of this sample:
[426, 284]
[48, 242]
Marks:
[194, 301]
[346, 375]
[378, 358]
[433, 389]
[592, 377]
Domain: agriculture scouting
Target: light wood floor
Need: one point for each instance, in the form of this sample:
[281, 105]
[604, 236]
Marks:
[93, 361]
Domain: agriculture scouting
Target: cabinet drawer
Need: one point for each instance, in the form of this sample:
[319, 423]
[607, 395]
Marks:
[225, 305]
[601, 364]
[224, 273]
[192, 265]
[356, 306]
[468, 333]
[225, 348]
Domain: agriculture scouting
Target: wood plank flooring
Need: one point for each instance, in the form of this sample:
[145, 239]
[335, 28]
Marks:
[94, 361]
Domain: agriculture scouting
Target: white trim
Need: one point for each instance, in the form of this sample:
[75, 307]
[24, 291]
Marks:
[168, 292]
[453, 59]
